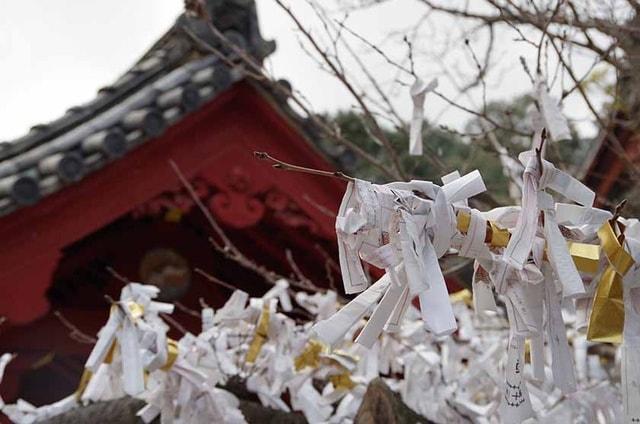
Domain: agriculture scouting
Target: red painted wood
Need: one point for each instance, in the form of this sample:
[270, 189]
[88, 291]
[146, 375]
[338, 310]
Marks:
[606, 171]
[210, 143]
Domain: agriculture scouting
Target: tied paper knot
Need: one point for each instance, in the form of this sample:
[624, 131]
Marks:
[493, 234]
[140, 335]
[535, 199]
[85, 378]
[188, 392]
[402, 227]
[606, 322]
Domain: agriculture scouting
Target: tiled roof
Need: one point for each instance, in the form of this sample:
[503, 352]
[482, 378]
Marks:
[171, 80]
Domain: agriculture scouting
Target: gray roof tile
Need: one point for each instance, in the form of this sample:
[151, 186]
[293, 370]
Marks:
[170, 80]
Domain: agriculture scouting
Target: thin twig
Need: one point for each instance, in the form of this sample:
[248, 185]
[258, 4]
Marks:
[410, 55]
[117, 275]
[75, 333]
[345, 81]
[618, 210]
[186, 309]
[611, 139]
[544, 31]
[296, 269]
[215, 280]
[539, 149]
[278, 164]
[175, 324]
[324, 210]
[228, 249]
[255, 71]
[329, 267]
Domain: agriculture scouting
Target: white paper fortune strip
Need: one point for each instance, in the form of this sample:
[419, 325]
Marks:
[418, 93]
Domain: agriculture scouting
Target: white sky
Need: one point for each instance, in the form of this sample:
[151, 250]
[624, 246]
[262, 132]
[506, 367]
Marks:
[57, 53]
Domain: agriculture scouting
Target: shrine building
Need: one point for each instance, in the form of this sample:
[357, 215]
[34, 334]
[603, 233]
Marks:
[94, 190]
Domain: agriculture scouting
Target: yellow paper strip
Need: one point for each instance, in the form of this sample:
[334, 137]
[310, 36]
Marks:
[172, 354]
[310, 356]
[607, 310]
[619, 258]
[463, 220]
[260, 336]
[499, 236]
[342, 381]
[585, 256]
[463, 295]
[84, 382]
[112, 351]
[135, 309]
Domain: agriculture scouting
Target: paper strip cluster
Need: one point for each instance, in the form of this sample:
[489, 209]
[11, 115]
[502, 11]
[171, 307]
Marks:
[535, 258]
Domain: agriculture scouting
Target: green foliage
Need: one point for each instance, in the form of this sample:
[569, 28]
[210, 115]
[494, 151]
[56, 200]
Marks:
[567, 154]
[441, 147]
[446, 151]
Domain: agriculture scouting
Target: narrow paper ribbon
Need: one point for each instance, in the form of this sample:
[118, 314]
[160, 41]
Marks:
[418, 93]
[557, 251]
[553, 119]
[585, 256]
[172, 354]
[262, 328]
[495, 236]
[561, 355]
[84, 382]
[607, 312]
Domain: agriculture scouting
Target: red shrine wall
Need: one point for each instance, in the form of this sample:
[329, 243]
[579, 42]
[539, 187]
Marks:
[215, 143]
[134, 209]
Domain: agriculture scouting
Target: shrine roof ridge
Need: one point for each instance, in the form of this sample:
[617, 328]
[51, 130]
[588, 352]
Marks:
[174, 78]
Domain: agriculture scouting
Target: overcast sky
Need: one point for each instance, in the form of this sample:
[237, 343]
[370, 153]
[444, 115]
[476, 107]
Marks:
[57, 53]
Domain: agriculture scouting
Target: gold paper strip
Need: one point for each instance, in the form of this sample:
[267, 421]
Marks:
[618, 257]
[342, 381]
[260, 336]
[607, 311]
[310, 356]
[499, 236]
[172, 354]
[135, 309]
[585, 256]
[463, 221]
[463, 295]
[84, 382]
[111, 353]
